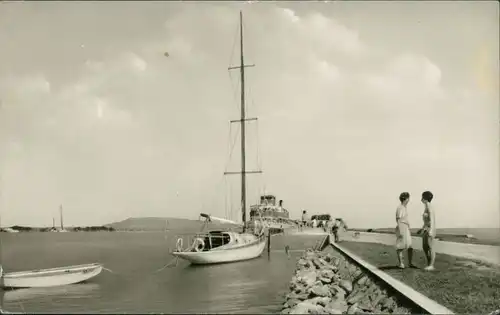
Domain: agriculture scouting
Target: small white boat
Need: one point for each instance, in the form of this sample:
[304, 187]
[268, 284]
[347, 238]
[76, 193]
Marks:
[50, 277]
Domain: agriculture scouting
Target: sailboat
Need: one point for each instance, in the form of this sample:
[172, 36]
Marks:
[53, 229]
[61, 229]
[228, 246]
[61, 219]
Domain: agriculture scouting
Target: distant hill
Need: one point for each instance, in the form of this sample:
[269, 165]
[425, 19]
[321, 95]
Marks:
[159, 224]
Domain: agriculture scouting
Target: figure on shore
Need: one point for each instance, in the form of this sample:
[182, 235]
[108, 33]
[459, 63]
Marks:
[335, 229]
[326, 225]
[403, 234]
[429, 230]
[314, 222]
[304, 219]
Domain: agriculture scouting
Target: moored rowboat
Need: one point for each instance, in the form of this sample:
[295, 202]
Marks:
[50, 277]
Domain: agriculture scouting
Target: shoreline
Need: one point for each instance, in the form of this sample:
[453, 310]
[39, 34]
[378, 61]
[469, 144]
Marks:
[443, 237]
[27, 229]
[486, 253]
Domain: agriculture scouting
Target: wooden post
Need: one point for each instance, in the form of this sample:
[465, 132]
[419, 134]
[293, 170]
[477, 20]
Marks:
[269, 243]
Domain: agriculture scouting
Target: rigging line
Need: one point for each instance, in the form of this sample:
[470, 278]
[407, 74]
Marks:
[232, 148]
[222, 179]
[248, 48]
[229, 145]
[225, 196]
[249, 96]
[259, 159]
[252, 102]
[213, 198]
[235, 38]
[229, 214]
[235, 87]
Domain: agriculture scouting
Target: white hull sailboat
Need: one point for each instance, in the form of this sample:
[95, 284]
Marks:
[50, 277]
[239, 247]
[216, 247]
[228, 246]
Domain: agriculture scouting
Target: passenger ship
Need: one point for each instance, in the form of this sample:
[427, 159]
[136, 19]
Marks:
[276, 218]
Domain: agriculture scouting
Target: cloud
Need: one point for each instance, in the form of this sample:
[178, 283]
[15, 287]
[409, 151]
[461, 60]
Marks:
[343, 126]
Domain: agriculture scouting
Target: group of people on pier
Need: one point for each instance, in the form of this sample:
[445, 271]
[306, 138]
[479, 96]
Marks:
[403, 232]
[428, 230]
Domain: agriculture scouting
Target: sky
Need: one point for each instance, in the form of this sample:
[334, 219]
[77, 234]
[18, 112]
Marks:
[357, 102]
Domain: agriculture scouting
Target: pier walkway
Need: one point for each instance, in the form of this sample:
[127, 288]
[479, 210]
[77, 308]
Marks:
[486, 253]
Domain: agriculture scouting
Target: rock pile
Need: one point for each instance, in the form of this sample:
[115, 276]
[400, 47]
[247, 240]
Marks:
[326, 283]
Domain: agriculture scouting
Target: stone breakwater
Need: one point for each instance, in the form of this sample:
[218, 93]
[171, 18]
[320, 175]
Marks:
[327, 283]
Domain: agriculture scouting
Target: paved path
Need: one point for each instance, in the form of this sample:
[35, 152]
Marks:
[487, 253]
[306, 231]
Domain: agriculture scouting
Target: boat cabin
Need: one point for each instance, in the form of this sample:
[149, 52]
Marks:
[214, 239]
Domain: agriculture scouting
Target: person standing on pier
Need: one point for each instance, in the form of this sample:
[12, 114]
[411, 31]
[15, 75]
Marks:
[429, 230]
[335, 229]
[403, 234]
[304, 218]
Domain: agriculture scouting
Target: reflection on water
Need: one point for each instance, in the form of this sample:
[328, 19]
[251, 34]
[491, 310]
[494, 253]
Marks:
[135, 286]
[55, 296]
[81, 290]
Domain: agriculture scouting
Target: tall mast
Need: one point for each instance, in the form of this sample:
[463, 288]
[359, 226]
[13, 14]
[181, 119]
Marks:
[242, 120]
[61, 215]
[243, 158]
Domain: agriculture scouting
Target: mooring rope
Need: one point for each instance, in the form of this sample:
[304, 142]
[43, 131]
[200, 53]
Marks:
[176, 260]
[169, 264]
[109, 270]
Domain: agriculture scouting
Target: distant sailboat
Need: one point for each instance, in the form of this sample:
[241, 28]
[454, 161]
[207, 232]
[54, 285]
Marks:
[61, 219]
[53, 229]
[228, 246]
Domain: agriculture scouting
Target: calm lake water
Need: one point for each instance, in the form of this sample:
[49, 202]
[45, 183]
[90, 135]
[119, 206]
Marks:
[136, 286]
